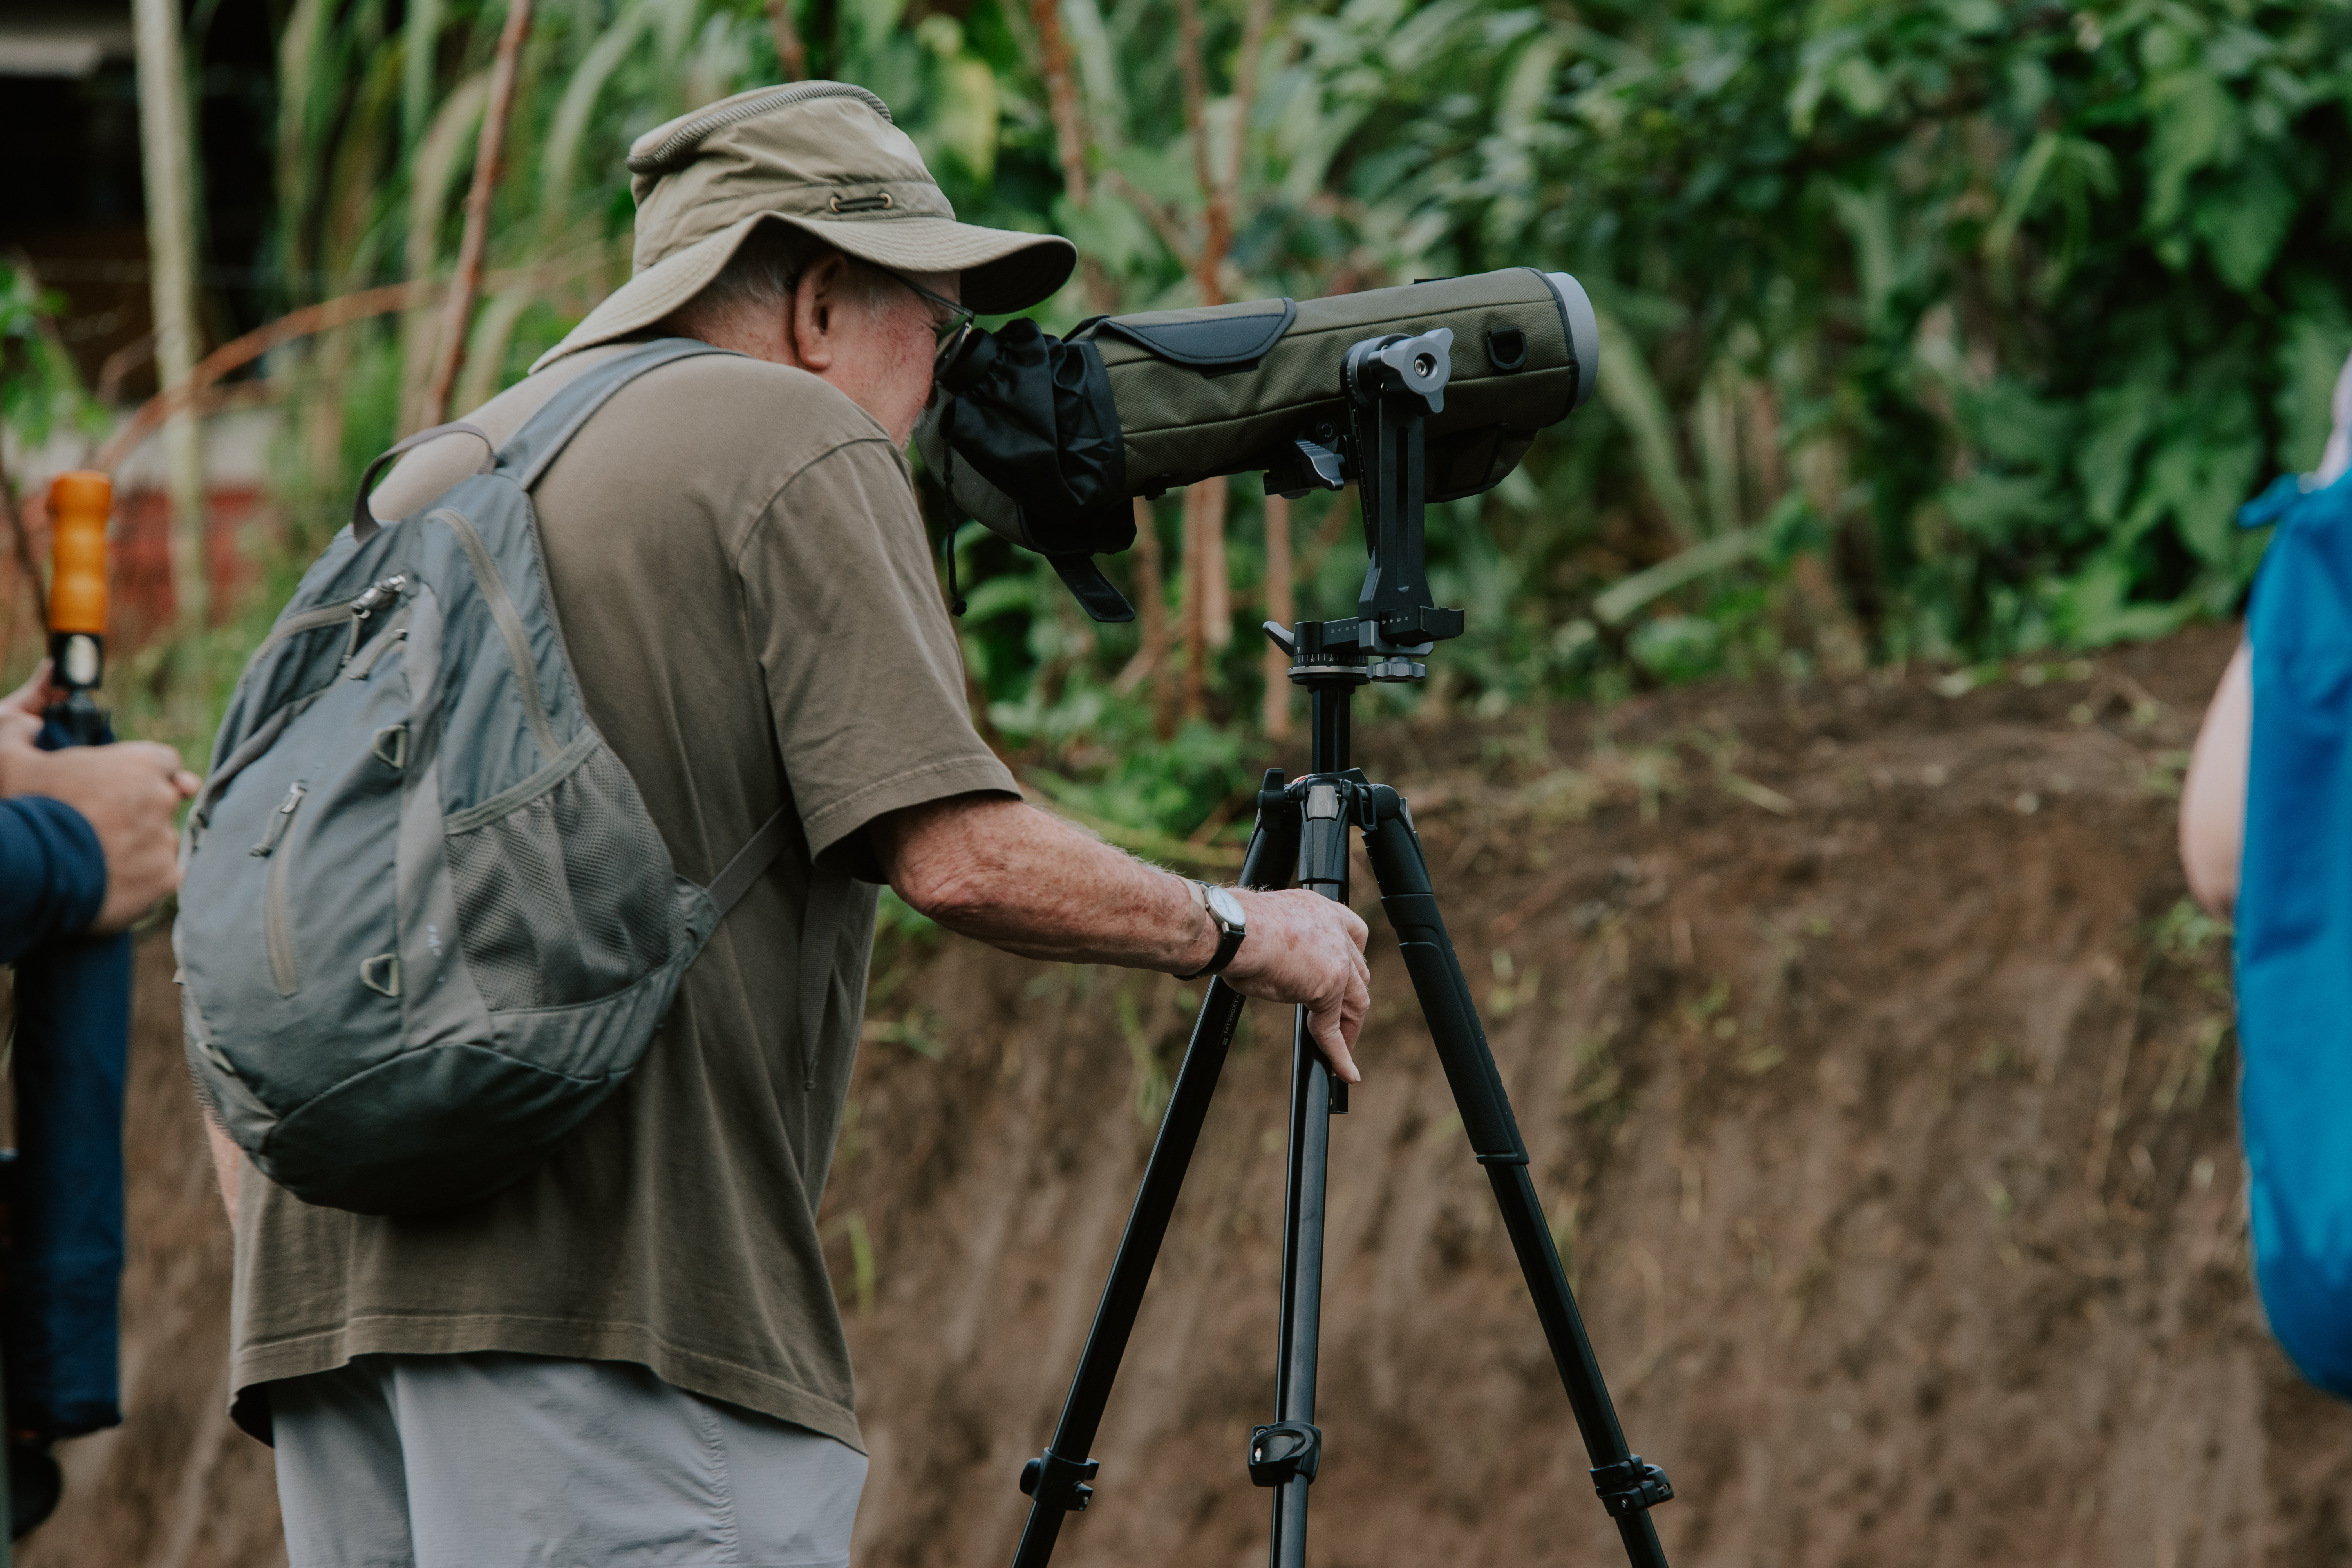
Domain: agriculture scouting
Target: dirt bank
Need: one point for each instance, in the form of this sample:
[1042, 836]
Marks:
[1876, 1082]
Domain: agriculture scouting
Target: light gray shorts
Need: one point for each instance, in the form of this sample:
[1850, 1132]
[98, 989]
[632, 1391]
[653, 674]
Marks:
[516, 1461]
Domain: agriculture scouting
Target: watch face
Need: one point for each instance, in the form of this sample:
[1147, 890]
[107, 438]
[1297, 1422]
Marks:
[1227, 909]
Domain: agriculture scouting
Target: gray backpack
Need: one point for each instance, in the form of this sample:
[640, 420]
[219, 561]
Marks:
[427, 925]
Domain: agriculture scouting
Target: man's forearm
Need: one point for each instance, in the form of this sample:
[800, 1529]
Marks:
[1024, 880]
[1032, 884]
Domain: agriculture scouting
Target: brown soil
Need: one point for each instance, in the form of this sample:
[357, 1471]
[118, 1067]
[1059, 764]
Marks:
[1877, 1085]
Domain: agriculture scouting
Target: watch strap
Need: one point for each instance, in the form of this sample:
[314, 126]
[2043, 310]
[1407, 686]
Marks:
[1229, 937]
[1229, 943]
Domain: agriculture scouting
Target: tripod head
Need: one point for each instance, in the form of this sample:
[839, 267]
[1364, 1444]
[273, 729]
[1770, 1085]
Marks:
[1394, 383]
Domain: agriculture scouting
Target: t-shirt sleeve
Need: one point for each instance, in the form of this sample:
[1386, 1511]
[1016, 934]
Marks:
[52, 874]
[865, 678]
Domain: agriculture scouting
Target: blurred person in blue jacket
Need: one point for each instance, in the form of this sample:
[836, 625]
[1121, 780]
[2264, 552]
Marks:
[86, 847]
[2266, 841]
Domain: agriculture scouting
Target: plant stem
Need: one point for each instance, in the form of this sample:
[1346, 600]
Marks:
[1061, 96]
[791, 55]
[165, 135]
[458, 314]
[1150, 587]
[1276, 712]
[324, 316]
[13, 516]
[1192, 607]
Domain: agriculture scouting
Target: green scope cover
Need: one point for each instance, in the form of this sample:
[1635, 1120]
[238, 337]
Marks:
[1223, 389]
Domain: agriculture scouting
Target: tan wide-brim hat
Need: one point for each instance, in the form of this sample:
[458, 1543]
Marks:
[824, 157]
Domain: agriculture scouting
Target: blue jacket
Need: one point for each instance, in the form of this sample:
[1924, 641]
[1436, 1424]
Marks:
[52, 874]
[2294, 920]
[73, 1020]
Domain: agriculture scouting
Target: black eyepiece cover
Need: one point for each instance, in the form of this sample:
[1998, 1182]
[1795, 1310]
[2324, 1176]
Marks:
[1033, 415]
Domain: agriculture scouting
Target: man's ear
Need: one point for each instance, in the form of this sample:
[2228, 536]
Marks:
[816, 303]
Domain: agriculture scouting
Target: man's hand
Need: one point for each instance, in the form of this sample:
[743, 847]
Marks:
[127, 792]
[1305, 948]
[1030, 883]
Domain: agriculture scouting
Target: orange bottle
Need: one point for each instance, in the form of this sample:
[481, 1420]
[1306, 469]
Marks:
[79, 503]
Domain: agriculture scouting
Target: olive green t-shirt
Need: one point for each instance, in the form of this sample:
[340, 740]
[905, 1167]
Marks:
[746, 593]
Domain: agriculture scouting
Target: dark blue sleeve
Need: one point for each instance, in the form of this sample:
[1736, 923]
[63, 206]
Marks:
[52, 874]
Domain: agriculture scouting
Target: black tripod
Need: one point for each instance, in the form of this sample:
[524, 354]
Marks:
[1392, 385]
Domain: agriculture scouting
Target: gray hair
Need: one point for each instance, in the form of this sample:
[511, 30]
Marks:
[761, 277]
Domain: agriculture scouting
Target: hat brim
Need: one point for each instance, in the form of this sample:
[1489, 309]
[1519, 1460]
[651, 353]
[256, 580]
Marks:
[1001, 271]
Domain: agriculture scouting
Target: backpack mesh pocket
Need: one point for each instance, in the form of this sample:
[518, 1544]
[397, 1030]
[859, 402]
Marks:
[568, 897]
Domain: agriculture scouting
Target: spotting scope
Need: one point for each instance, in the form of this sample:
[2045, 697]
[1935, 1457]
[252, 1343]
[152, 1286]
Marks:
[1047, 440]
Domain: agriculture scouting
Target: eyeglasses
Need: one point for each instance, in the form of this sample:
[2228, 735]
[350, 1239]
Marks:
[949, 333]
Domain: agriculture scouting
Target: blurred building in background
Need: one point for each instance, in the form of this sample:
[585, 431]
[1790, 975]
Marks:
[75, 218]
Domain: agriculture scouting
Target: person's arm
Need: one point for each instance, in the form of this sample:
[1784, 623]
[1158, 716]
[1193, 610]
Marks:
[1021, 879]
[52, 875]
[2213, 793]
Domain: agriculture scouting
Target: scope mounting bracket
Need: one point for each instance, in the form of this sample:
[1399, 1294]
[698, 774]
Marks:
[1394, 383]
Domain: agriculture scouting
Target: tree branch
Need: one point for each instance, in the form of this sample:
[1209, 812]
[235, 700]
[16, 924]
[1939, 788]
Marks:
[1253, 26]
[459, 315]
[325, 316]
[1216, 236]
[1061, 96]
[1161, 216]
[791, 53]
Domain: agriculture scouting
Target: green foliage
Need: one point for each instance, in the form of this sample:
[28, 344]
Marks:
[2027, 300]
[1950, 329]
[40, 392]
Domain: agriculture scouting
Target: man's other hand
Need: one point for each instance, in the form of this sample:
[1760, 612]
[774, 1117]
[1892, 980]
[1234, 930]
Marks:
[127, 792]
[1028, 882]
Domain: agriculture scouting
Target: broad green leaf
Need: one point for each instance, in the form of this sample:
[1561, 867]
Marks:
[2000, 509]
[2312, 353]
[2197, 124]
[2120, 420]
[2243, 221]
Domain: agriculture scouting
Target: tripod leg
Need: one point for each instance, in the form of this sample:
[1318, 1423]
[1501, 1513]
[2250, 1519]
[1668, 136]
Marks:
[1323, 866]
[1628, 1488]
[1056, 1480]
[1302, 1278]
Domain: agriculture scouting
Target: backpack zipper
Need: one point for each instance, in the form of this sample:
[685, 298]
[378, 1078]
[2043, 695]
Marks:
[510, 624]
[277, 932]
[327, 615]
[365, 605]
[280, 819]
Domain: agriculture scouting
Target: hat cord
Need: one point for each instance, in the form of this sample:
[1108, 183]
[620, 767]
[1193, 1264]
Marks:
[947, 489]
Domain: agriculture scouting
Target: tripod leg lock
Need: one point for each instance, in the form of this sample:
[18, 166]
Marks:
[1284, 1449]
[1058, 1482]
[1631, 1485]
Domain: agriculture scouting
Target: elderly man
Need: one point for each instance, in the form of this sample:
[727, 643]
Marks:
[632, 1355]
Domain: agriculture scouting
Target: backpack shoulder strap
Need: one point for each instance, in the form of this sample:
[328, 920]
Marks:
[529, 451]
[822, 922]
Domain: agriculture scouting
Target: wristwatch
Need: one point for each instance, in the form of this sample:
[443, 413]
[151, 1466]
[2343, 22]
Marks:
[1224, 912]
